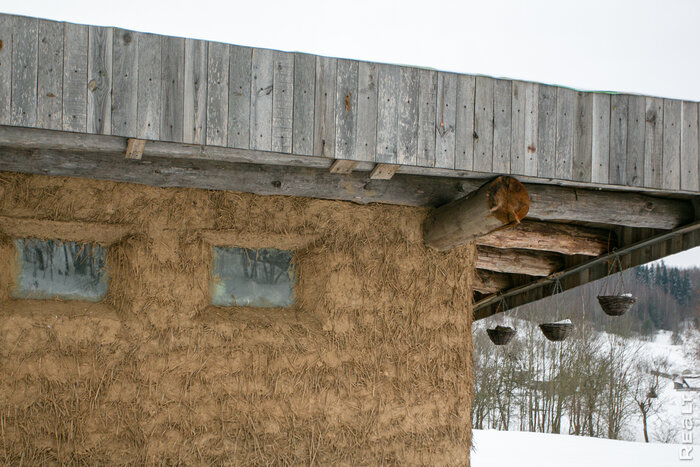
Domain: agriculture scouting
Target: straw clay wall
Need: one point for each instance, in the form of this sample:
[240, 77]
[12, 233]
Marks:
[371, 366]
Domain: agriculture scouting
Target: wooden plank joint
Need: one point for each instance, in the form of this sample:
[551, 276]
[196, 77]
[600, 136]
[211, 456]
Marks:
[383, 171]
[134, 148]
[343, 166]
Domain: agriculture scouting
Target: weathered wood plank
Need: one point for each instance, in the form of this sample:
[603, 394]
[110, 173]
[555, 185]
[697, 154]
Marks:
[172, 88]
[194, 117]
[546, 131]
[324, 105]
[125, 83]
[387, 112]
[464, 131]
[483, 124]
[383, 171]
[526, 262]
[343, 166]
[564, 146]
[75, 60]
[636, 122]
[446, 120]
[653, 142]
[409, 103]
[672, 144]
[583, 137]
[366, 145]
[24, 70]
[600, 152]
[532, 99]
[49, 112]
[346, 109]
[689, 146]
[517, 128]
[217, 94]
[282, 101]
[149, 86]
[99, 96]
[303, 115]
[239, 97]
[426, 118]
[261, 86]
[502, 102]
[6, 68]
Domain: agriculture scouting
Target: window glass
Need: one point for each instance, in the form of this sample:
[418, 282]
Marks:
[256, 278]
[54, 269]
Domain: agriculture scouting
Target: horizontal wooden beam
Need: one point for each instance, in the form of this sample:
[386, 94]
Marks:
[488, 282]
[551, 203]
[653, 248]
[500, 203]
[550, 236]
[518, 261]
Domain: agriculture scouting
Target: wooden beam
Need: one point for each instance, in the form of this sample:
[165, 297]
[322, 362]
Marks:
[488, 282]
[550, 236]
[498, 204]
[549, 203]
[134, 148]
[343, 166]
[654, 248]
[81, 232]
[518, 261]
[383, 171]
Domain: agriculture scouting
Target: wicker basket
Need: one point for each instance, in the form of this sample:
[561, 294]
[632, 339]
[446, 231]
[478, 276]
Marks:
[616, 305]
[556, 331]
[501, 335]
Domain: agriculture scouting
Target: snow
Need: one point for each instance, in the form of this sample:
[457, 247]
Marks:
[563, 321]
[524, 449]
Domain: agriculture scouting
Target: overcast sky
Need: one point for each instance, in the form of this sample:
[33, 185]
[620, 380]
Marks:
[638, 46]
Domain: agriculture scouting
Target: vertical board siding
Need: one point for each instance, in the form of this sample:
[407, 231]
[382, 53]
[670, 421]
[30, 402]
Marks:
[517, 128]
[446, 120]
[483, 124]
[125, 84]
[672, 144]
[409, 92]
[194, 113]
[502, 102]
[172, 88]
[653, 142]
[528, 151]
[75, 62]
[387, 112]
[6, 27]
[99, 98]
[618, 139]
[366, 142]
[217, 94]
[600, 150]
[636, 121]
[464, 131]
[426, 118]
[261, 85]
[303, 102]
[282, 101]
[324, 105]
[689, 146]
[24, 71]
[149, 86]
[346, 109]
[564, 145]
[239, 88]
[49, 111]
[546, 131]
[583, 137]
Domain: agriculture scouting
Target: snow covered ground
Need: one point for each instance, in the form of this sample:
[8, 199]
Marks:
[523, 449]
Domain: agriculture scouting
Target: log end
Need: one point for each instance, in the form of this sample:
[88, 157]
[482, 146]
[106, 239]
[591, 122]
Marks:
[508, 200]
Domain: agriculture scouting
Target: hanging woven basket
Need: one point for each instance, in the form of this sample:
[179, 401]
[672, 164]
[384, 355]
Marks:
[557, 331]
[616, 305]
[501, 335]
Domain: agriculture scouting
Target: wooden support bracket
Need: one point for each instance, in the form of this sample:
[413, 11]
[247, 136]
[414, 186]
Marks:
[134, 148]
[383, 171]
[343, 166]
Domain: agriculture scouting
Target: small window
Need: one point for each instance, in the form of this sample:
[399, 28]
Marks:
[66, 270]
[257, 278]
